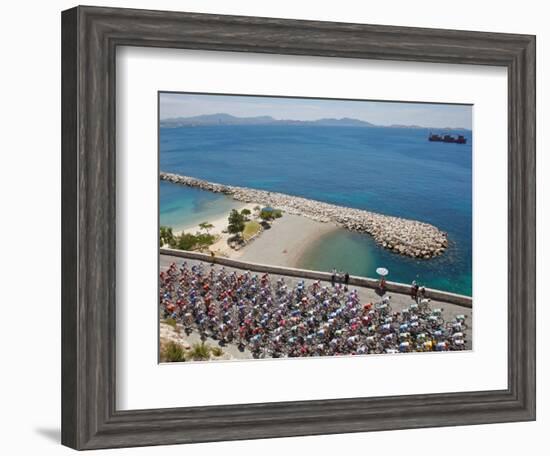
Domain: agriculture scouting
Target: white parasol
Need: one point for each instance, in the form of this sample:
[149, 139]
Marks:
[382, 271]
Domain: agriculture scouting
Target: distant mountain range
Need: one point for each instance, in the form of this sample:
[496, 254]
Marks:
[228, 119]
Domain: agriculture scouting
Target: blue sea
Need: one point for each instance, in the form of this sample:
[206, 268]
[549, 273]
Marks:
[393, 171]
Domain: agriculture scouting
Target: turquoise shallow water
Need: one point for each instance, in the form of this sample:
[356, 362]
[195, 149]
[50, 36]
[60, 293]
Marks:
[394, 171]
[182, 207]
[359, 255]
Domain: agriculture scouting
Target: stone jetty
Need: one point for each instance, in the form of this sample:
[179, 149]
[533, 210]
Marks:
[406, 237]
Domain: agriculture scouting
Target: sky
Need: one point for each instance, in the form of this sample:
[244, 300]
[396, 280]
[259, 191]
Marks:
[376, 112]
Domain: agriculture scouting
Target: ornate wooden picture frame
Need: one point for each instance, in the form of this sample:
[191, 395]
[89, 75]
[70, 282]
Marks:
[90, 37]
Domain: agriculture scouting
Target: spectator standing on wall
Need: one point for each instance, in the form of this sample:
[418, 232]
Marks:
[422, 293]
[414, 290]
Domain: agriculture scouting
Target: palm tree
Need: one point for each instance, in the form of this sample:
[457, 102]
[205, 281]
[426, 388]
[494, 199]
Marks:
[167, 236]
[206, 227]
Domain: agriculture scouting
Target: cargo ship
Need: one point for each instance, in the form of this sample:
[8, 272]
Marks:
[458, 139]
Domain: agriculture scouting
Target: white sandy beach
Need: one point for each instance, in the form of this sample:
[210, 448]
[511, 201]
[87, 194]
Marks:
[220, 223]
[220, 247]
[285, 242]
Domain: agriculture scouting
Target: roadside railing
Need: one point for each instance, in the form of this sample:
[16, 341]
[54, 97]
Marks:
[396, 287]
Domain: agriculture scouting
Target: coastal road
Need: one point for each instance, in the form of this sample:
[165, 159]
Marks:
[398, 301]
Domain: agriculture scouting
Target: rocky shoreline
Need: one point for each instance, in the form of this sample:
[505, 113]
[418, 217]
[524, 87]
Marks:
[402, 236]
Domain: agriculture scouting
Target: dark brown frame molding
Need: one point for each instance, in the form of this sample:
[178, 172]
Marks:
[90, 36]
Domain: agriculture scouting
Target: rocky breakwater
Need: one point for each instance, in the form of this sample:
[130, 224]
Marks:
[405, 237]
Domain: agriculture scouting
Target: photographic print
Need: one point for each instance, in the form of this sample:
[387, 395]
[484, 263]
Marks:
[305, 227]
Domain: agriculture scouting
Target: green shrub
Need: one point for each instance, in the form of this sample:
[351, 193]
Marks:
[171, 322]
[204, 240]
[266, 215]
[188, 241]
[172, 353]
[270, 214]
[199, 352]
[217, 351]
[185, 241]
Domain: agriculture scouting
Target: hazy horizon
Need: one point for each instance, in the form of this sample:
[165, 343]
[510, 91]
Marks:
[383, 113]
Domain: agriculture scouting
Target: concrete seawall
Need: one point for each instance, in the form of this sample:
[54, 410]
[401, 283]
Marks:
[452, 298]
[402, 236]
